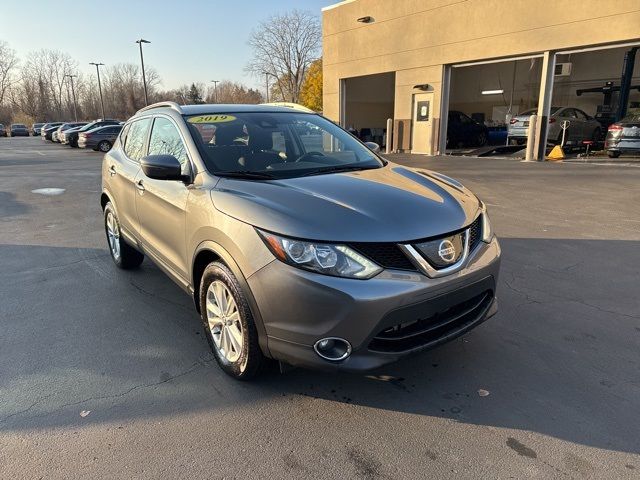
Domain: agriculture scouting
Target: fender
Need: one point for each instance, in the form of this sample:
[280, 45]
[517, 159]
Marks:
[226, 257]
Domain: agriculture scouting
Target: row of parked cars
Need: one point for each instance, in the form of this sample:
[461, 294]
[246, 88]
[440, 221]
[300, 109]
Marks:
[98, 135]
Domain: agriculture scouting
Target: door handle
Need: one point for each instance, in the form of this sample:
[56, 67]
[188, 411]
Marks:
[112, 170]
[140, 186]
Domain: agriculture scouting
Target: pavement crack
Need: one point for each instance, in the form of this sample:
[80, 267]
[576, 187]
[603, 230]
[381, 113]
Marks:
[26, 410]
[200, 363]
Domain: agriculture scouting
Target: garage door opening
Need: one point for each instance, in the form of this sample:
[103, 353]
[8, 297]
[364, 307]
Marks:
[368, 103]
[587, 96]
[484, 98]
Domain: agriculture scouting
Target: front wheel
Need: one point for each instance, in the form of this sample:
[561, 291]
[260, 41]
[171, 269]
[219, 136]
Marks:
[123, 254]
[613, 154]
[228, 323]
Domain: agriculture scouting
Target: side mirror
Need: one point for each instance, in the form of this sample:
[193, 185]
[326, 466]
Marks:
[374, 147]
[162, 167]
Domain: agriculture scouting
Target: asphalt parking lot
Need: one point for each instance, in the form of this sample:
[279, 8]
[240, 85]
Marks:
[105, 373]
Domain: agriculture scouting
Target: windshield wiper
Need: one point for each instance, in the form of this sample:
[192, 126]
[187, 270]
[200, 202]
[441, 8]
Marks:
[340, 168]
[245, 174]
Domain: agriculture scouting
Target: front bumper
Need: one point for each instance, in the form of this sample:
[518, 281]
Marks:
[384, 319]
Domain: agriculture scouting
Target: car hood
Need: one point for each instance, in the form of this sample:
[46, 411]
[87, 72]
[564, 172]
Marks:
[389, 204]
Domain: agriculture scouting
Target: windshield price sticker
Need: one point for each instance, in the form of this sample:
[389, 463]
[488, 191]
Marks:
[211, 119]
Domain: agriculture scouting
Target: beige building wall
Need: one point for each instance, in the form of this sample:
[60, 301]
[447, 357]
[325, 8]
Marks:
[416, 38]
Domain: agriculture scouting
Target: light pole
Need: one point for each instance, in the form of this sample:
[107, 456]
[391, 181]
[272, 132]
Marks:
[73, 93]
[144, 79]
[99, 85]
[215, 90]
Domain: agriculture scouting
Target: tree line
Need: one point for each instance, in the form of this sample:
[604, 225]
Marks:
[37, 88]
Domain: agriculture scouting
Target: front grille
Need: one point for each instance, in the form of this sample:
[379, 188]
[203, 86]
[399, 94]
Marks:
[475, 233]
[387, 255]
[437, 327]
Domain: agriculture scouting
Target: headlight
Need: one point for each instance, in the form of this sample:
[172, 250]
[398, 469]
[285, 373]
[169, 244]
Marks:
[326, 258]
[487, 231]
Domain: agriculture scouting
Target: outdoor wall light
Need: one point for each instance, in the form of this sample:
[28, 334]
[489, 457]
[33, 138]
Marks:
[492, 92]
[366, 19]
[423, 86]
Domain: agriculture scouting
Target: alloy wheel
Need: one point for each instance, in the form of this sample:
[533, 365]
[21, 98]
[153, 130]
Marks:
[223, 319]
[113, 235]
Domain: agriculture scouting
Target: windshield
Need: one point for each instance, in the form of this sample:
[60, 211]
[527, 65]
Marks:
[276, 145]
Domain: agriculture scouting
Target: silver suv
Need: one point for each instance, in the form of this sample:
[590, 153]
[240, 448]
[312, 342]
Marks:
[297, 242]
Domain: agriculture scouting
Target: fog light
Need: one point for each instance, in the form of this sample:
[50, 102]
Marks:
[333, 348]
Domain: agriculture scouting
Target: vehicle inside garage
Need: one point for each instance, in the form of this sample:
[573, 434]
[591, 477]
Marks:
[369, 102]
[587, 91]
[484, 97]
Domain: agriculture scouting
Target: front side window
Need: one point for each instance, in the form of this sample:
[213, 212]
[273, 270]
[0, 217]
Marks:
[135, 143]
[165, 140]
[277, 145]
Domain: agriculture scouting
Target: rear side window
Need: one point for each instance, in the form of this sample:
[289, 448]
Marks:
[135, 142]
[165, 140]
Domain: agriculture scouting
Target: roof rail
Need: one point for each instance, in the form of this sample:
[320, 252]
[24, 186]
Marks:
[172, 105]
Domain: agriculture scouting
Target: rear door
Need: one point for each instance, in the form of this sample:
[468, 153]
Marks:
[161, 204]
[123, 168]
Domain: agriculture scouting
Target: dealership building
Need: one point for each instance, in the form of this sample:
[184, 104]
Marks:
[436, 68]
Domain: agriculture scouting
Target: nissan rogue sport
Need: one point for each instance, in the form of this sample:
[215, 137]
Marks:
[297, 242]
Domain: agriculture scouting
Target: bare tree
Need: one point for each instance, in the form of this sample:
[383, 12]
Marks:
[283, 47]
[233, 92]
[8, 67]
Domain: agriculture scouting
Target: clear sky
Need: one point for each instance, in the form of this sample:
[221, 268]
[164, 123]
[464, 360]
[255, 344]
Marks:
[192, 40]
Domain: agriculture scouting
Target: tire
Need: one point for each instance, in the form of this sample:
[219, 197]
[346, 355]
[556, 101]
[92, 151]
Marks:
[232, 336]
[482, 139]
[104, 146]
[613, 154]
[122, 254]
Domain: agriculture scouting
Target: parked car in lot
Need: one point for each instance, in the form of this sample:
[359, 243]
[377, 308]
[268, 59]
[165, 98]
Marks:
[101, 138]
[58, 136]
[72, 134]
[463, 131]
[3, 130]
[35, 129]
[623, 136]
[581, 126]
[323, 255]
[46, 132]
[19, 130]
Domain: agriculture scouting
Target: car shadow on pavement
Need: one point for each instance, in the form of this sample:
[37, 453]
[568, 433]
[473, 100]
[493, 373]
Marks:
[10, 207]
[560, 358]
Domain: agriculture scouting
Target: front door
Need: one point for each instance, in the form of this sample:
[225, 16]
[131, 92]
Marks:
[422, 137]
[161, 204]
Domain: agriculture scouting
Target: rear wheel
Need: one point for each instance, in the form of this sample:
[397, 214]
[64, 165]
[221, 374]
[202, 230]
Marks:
[228, 323]
[123, 254]
[104, 146]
